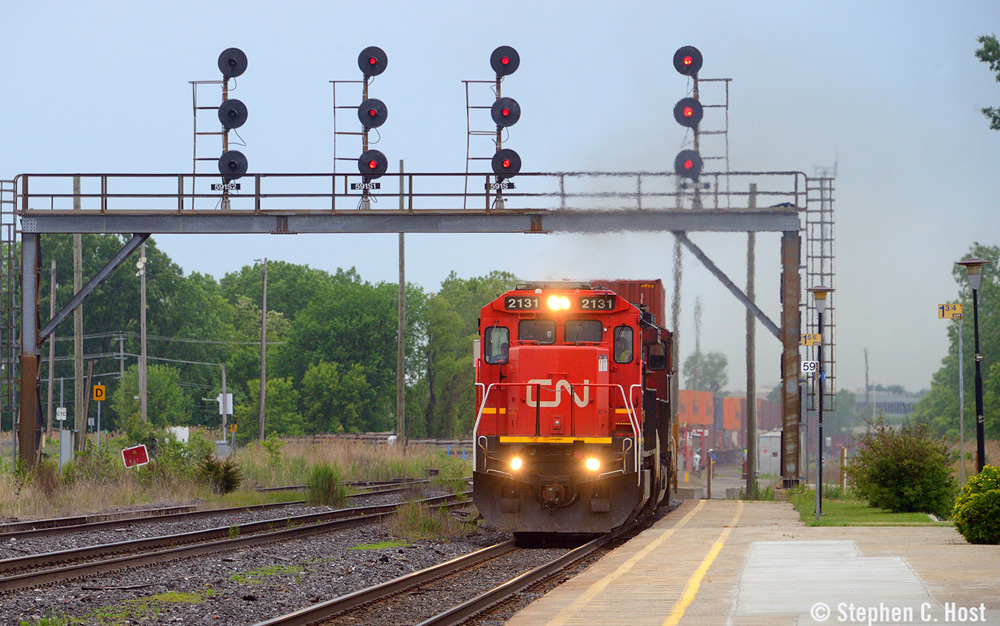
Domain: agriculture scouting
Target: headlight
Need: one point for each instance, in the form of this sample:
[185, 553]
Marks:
[593, 464]
[516, 463]
[557, 303]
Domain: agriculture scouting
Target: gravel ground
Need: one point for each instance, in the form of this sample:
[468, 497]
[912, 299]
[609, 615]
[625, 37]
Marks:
[430, 599]
[14, 548]
[239, 587]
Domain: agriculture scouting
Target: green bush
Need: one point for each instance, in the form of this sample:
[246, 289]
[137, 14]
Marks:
[977, 509]
[325, 486]
[903, 470]
[224, 476]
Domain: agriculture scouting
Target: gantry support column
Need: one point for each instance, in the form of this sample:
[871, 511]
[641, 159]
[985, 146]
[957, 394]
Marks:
[29, 424]
[790, 335]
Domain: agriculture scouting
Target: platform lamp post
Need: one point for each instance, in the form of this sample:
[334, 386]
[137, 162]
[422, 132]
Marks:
[974, 270]
[819, 297]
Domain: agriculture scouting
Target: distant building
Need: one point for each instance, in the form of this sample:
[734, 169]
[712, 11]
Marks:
[894, 405]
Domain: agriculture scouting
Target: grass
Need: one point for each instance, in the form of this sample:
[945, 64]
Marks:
[257, 576]
[381, 544]
[418, 521]
[128, 612]
[841, 510]
[101, 483]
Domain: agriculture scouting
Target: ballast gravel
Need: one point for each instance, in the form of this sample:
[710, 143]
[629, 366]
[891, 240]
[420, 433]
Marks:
[240, 587]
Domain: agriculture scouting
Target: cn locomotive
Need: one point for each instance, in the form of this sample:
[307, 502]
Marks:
[573, 430]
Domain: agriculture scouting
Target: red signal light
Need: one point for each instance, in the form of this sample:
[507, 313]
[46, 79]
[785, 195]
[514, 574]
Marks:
[373, 60]
[372, 164]
[688, 111]
[506, 163]
[688, 60]
[506, 112]
[688, 164]
[505, 60]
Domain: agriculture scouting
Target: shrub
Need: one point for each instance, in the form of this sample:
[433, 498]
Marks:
[273, 445]
[977, 509]
[224, 476]
[325, 486]
[903, 470]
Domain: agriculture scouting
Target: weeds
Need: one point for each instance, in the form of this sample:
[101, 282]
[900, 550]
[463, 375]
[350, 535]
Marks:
[223, 476]
[418, 521]
[325, 486]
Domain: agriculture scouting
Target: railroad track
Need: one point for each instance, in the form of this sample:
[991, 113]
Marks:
[443, 576]
[85, 523]
[173, 547]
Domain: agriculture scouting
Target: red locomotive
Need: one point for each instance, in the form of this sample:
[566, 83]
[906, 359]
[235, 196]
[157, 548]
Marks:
[573, 432]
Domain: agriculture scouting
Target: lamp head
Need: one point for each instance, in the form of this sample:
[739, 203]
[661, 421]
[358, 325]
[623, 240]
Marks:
[819, 293]
[974, 269]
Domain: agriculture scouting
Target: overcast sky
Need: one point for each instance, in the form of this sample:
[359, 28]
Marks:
[889, 91]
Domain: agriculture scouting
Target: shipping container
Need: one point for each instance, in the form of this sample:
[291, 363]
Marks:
[648, 293]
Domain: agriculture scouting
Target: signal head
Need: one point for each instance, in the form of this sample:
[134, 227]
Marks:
[688, 112]
[372, 61]
[232, 165]
[232, 62]
[506, 163]
[505, 112]
[688, 164]
[687, 60]
[232, 114]
[504, 61]
[372, 113]
[372, 164]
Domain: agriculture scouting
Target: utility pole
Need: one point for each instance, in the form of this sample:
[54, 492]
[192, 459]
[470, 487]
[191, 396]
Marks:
[121, 356]
[52, 346]
[751, 486]
[401, 334]
[868, 404]
[263, 353]
[142, 331]
[79, 424]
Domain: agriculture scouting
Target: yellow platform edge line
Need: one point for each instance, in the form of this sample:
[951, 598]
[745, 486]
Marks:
[694, 583]
[606, 440]
[567, 613]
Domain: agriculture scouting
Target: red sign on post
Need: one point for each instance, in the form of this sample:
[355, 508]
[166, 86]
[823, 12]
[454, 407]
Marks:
[135, 456]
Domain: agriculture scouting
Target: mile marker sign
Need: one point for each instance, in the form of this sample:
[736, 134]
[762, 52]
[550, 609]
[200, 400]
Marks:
[135, 456]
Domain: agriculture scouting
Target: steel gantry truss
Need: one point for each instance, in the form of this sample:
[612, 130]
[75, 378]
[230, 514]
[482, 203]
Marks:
[554, 202]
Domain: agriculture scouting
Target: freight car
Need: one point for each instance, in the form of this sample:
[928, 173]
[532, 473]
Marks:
[573, 430]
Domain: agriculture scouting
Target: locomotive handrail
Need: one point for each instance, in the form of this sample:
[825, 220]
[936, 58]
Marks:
[629, 408]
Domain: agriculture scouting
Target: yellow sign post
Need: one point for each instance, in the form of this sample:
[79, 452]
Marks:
[811, 339]
[950, 311]
[100, 393]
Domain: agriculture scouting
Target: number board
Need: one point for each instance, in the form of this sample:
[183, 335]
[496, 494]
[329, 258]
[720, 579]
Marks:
[522, 303]
[950, 311]
[811, 339]
[810, 367]
[597, 303]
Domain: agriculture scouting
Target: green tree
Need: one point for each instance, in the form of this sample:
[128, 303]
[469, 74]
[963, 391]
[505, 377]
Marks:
[843, 418]
[708, 369]
[939, 408]
[167, 404]
[335, 399]
[989, 53]
[281, 412]
[451, 329]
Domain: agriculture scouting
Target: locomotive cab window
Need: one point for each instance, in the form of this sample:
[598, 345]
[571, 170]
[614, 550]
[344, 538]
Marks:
[497, 344]
[583, 330]
[536, 331]
[623, 344]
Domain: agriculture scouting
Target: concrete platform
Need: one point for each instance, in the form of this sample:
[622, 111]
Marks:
[754, 563]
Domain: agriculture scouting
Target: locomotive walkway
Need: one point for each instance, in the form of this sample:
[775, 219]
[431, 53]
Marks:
[711, 563]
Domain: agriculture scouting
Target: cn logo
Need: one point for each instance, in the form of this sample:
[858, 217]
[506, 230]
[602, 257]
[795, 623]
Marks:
[562, 385]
